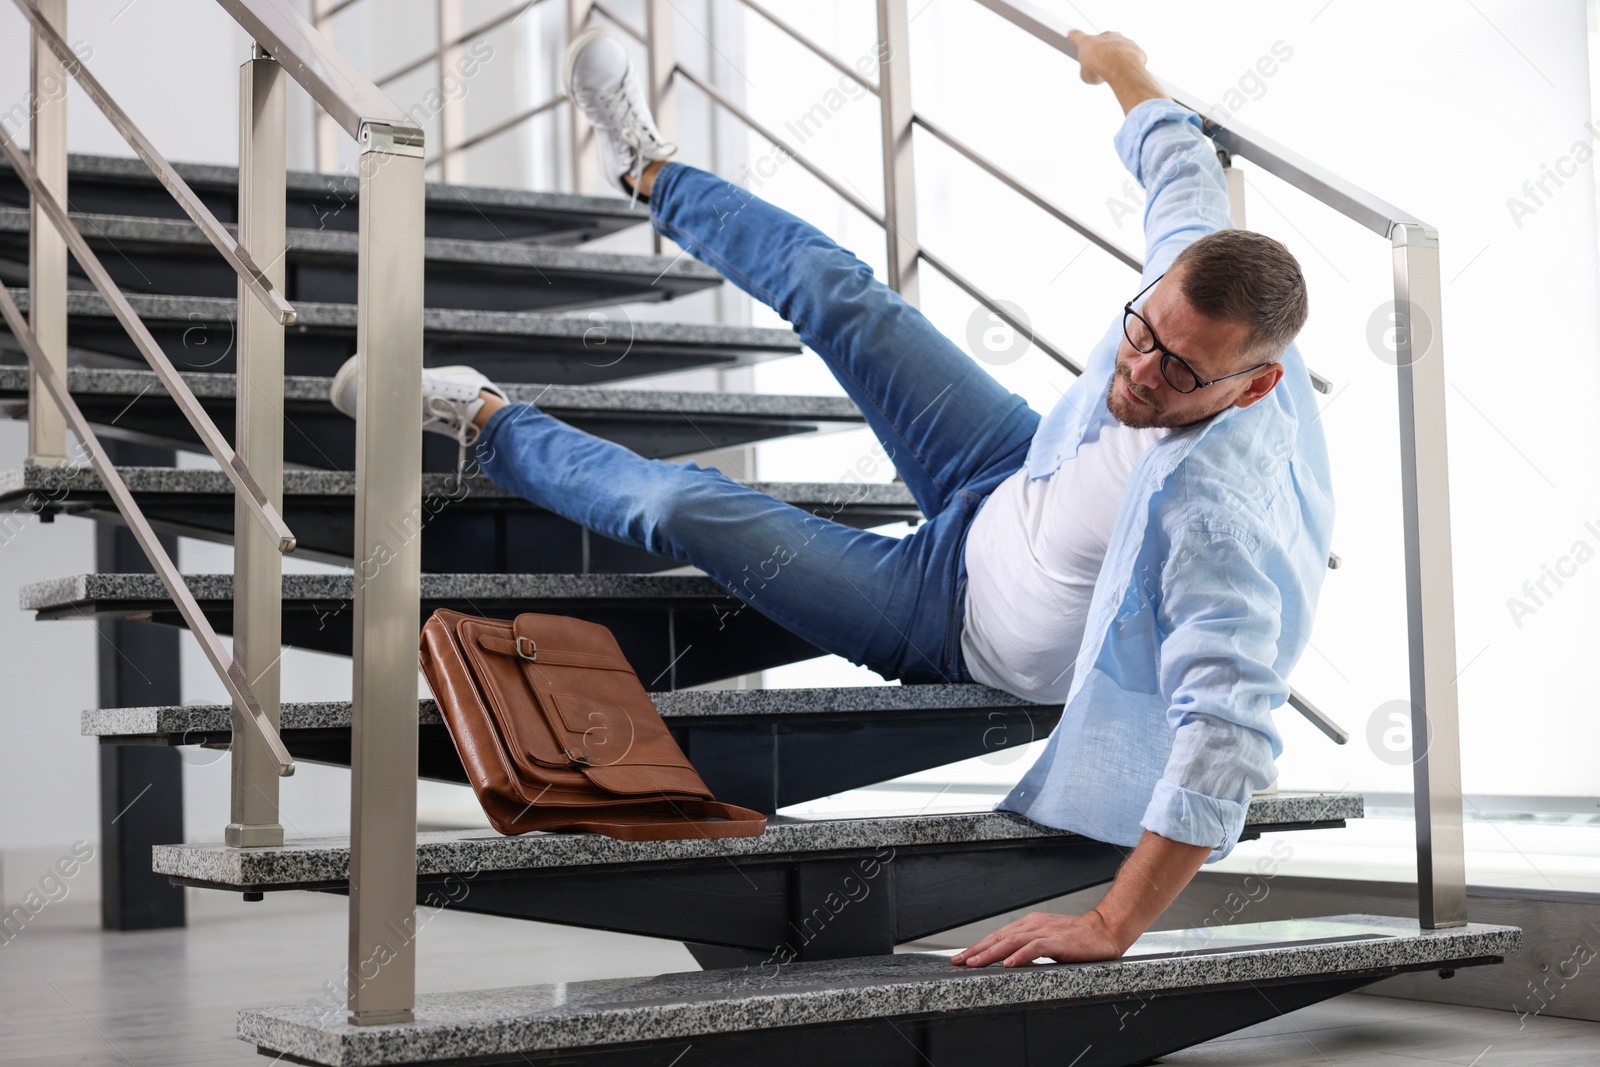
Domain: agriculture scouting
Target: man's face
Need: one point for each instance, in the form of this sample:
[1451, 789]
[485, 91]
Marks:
[1141, 397]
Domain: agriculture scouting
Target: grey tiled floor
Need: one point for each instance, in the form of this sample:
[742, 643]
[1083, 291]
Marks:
[72, 995]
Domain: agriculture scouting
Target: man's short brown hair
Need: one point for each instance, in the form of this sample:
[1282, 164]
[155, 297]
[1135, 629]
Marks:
[1248, 278]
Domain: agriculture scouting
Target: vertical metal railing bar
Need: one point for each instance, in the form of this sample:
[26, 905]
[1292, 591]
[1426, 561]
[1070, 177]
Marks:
[453, 109]
[581, 146]
[388, 596]
[47, 251]
[1430, 595]
[661, 63]
[819, 51]
[258, 437]
[815, 171]
[1233, 177]
[899, 162]
[231, 675]
[224, 242]
[1005, 178]
[261, 509]
[326, 147]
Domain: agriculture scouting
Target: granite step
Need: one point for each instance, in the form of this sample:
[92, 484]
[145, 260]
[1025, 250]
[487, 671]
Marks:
[676, 630]
[758, 748]
[909, 876]
[172, 256]
[585, 348]
[468, 519]
[132, 404]
[1172, 989]
[118, 185]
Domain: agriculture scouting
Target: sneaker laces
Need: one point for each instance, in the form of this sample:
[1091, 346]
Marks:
[447, 411]
[635, 132]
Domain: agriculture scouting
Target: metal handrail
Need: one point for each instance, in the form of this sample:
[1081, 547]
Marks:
[335, 83]
[224, 242]
[1344, 197]
[227, 668]
[236, 470]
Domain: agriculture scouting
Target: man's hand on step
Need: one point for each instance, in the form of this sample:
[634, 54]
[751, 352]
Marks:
[1063, 938]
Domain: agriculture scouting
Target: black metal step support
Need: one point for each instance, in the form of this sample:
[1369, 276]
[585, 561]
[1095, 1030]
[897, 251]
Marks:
[141, 786]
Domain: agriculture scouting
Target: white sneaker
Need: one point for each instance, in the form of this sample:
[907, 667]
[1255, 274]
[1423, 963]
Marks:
[601, 84]
[450, 400]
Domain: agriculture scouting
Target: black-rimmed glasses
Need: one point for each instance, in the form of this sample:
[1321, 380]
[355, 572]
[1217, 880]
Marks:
[1174, 369]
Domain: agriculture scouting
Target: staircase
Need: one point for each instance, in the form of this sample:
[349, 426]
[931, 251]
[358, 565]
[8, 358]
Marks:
[793, 970]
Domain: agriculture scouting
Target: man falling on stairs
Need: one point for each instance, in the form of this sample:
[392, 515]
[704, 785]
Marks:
[1148, 554]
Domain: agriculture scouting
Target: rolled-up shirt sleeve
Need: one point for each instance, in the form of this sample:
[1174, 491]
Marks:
[1220, 617]
[1186, 196]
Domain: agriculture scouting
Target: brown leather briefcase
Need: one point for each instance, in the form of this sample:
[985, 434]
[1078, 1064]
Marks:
[557, 733]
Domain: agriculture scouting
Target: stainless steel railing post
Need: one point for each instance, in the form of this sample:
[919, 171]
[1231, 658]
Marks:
[327, 130]
[1234, 177]
[47, 256]
[258, 441]
[383, 789]
[899, 168]
[1430, 596]
[585, 172]
[663, 62]
[453, 113]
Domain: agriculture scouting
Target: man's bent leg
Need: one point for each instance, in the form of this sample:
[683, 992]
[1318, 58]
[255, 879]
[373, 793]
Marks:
[872, 599]
[945, 421]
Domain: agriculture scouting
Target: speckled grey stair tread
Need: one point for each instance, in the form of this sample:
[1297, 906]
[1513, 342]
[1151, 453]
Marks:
[673, 704]
[81, 588]
[300, 181]
[680, 703]
[531, 324]
[685, 1005]
[533, 257]
[556, 399]
[16, 480]
[439, 852]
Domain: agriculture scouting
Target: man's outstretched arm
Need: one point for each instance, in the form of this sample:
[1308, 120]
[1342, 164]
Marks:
[1150, 880]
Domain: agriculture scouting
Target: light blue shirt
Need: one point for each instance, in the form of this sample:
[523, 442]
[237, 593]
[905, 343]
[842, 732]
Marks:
[1205, 600]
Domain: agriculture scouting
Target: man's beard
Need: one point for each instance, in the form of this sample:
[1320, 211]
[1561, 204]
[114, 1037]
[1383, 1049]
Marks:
[1132, 416]
[1142, 418]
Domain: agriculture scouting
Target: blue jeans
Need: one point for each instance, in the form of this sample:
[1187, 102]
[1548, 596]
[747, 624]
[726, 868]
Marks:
[953, 433]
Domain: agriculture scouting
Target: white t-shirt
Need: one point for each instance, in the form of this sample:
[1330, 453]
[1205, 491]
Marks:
[1033, 554]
